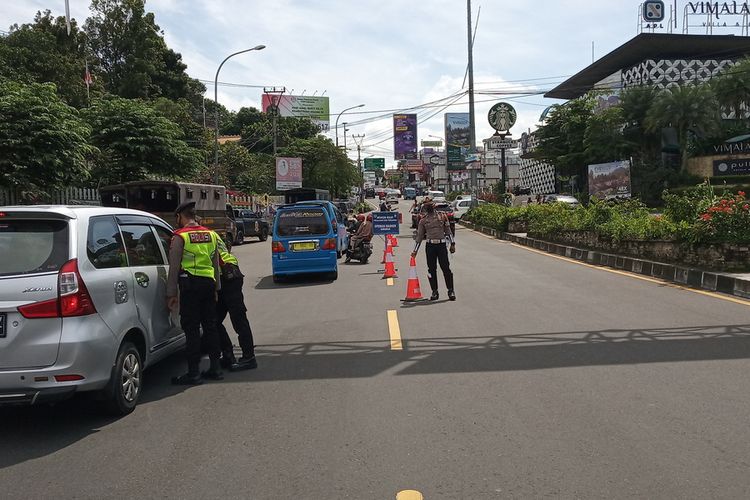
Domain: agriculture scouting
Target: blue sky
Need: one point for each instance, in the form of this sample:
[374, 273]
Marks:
[387, 54]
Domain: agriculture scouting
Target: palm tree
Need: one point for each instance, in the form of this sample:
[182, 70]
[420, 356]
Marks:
[732, 89]
[689, 109]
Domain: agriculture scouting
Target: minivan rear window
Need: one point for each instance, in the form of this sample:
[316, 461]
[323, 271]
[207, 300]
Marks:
[302, 222]
[33, 246]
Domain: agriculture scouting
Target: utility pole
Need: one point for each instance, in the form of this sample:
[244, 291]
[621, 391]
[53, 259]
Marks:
[472, 116]
[275, 93]
[358, 139]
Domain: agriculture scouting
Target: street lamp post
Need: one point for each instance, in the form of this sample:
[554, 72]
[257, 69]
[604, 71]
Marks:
[216, 104]
[339, 116]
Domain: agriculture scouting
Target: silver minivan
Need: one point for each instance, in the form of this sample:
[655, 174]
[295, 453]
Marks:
[82, 303]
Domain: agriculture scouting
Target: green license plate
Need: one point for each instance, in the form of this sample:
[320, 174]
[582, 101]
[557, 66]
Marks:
[303, 247]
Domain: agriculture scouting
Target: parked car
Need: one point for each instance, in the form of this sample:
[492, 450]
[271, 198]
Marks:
[250, 223]
[82, 303]
[304, 241]
[462, 206]
[560, 198]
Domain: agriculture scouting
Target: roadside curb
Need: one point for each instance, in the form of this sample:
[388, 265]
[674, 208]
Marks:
[674, 273]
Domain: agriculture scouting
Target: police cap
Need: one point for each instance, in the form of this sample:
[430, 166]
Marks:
[188, 205]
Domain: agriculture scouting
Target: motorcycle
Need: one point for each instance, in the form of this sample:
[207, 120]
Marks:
[361, 252]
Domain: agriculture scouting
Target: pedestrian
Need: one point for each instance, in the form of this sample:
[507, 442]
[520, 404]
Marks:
[538, 199]
[434, 228]
[232, 301]
[194, 271]
[383, 206]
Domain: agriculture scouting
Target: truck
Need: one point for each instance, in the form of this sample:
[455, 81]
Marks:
[250, 223]
[162, 198]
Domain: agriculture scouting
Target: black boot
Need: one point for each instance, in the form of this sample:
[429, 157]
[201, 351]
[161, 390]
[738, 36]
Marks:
[227, 360]
[214, 372]
[451, 295]
[435, 295]
[187, 379]
[245, 363]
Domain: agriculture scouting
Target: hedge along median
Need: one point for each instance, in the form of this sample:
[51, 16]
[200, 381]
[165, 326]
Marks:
[698, 228]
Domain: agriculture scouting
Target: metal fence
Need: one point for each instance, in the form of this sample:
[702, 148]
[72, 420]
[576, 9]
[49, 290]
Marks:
[68, 196]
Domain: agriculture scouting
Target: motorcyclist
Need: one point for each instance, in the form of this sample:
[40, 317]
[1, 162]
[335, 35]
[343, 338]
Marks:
[363, 233]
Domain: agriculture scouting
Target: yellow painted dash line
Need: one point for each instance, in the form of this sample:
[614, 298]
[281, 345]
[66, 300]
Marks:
[637, 276]
[395, 331]
[389, 282]
[409, 495]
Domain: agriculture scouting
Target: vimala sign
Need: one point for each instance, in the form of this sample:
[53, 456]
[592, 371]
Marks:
[718, 9]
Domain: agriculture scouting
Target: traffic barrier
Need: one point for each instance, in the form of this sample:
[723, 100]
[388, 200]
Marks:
[413, 290]
[390, 267]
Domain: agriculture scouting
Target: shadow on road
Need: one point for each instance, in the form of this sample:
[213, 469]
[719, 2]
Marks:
[29, 433]
[303, 280]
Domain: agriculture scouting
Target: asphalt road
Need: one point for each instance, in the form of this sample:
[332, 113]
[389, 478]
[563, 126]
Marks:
[546, 378]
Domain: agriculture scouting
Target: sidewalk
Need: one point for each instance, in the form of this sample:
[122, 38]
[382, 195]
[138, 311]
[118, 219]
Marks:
[737, 284]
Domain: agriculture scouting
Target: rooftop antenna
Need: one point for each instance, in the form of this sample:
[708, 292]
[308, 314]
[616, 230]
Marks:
[324, 93]
[303, 92]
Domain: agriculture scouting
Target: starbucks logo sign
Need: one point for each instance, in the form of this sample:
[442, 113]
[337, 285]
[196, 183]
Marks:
[502, 116]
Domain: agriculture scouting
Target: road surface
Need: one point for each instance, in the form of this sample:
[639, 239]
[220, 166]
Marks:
[546, 378]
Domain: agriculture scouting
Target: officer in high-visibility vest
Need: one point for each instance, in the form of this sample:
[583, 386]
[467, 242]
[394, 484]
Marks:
[232, 302]
[194, 270]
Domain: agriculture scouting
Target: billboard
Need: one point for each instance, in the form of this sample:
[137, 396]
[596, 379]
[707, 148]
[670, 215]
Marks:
[316, 108]
[288, 173]
[405, 137]
[456, 139]
[610, 180]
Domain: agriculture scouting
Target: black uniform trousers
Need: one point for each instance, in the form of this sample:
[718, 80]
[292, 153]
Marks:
[438, 252]
[232, 302]
[198, 309]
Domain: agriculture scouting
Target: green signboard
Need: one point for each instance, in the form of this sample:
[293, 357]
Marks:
[374, 163]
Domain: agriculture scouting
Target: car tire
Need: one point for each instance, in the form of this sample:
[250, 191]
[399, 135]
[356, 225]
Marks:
[277, 279]
[333, 276]
[240, 238]
[263, 234]
[126, 382]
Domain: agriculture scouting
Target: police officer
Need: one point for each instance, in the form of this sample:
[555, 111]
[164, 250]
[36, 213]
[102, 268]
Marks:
[435, 228]
[194, 270]
[232, 302]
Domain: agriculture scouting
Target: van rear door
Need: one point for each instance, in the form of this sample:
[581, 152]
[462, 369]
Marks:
[34, 248]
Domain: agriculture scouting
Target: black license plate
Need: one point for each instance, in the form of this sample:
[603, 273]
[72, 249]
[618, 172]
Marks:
[3, 317]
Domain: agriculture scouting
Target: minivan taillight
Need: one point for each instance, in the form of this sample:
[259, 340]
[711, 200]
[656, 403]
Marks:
[73, 298]
[277, 247]
[329, 244]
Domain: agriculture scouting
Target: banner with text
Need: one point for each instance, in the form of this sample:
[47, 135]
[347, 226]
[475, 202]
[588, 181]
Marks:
[288, 173]
[610, 180]
[405, 137]
[316, 108]
[385, 223]
[457, 139]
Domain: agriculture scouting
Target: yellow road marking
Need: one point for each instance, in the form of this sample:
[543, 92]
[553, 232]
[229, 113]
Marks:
[395, 331]
[389, 282]
[409, 495]
[637, 276]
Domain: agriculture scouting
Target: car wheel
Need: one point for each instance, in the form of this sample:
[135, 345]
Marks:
[240, 238]
[277, 279]
[333, 276]
[263, 234]
[125, 384]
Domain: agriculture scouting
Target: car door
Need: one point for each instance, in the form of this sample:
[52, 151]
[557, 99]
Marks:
[149, 269]
[164, 235]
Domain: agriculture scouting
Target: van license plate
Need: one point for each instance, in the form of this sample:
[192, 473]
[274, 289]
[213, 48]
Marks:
[3, 317]
[303, 247]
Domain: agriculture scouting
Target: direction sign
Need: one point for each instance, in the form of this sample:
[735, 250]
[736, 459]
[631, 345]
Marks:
[385, 223]
[497, 142]
[502, 116]
[374, 163]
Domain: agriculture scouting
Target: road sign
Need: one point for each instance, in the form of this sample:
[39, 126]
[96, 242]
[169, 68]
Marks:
[374, 163]
[432, 144]
[385, 223]
[435, 160]
[502, 116]
[653, 11]
[497, 142]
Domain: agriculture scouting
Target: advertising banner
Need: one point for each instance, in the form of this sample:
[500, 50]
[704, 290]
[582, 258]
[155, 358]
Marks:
[405, 137]
[456, 139]
[738, 166]
[316, 108]
[288, 173]
[610, 180]
[385, 223]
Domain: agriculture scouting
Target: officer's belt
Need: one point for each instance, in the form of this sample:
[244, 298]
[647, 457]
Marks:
[435, 242]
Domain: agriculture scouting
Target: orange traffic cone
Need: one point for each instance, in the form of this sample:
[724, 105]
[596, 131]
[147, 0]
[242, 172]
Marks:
[413, 290]
[388, 248]
[394, 241]
[390, 267]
